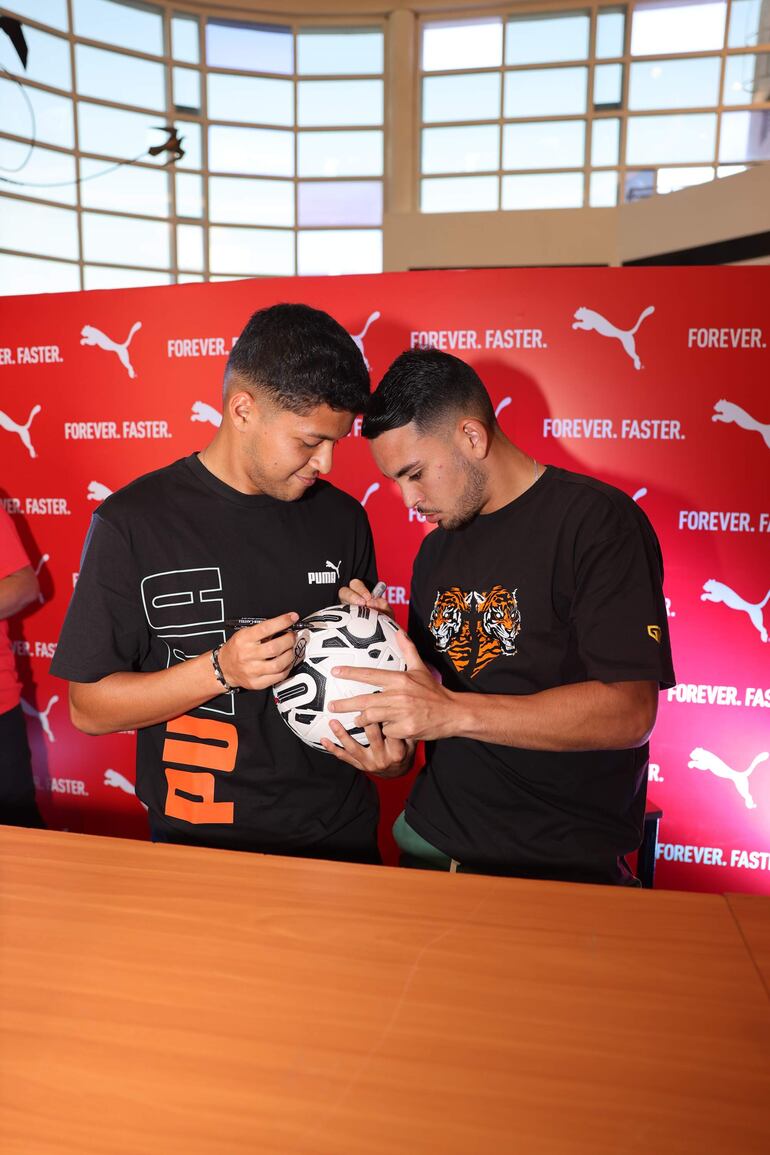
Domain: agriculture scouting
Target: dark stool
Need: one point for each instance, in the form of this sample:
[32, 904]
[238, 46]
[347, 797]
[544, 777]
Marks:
[645, 862]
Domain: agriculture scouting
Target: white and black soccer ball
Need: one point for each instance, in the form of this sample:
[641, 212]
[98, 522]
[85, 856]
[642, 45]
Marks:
[336, 636]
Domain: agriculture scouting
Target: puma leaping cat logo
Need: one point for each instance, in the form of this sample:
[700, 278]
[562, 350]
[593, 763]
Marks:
[21, 431]
[203, 412]
[91, 336]
[714, 591]
[97, 491]
[336, 568]
[369, 493]
[704, 760]
[359, 337]
[113, 778]
[587, 319]
[42, 715]
[46, 557]
[726, 411]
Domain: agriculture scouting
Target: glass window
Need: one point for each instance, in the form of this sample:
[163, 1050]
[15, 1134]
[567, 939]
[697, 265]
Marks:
[549, 144]
[542, 39]
[546, 92]
[125, 241]
[250, 98]
[50, 12]
[129, 188]
[107, 277]
[474, 97]
[189, 247]
[117, 133]
[610, 34]
[43, 167]
[339, 251]
[192, 143]
[126, 25]
[460, 194]
[53, 114]
[554, 190]
[672, 179]
[747, 78]
[249, 47]
[189, 278]
[327, 102]
[340, 154]
[254, 252]
[746, 24]
[674, 83]
[187, 89]
[666, 27]
[189, 194]
[339, 52]
[110, 74]
[36, 228]
[604, 190]
[48, 60]
[354, 202]
[605, 142]
[471, 149]
[608, 85]
[639, 185]
[671, 139]
[238, 200]
[257, 151]
[744, 136]
[470, 44]
[185, 38]
[730, 169]
[22, 275]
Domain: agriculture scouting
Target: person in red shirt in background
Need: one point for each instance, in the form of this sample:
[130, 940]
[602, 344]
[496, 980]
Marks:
[18, 587]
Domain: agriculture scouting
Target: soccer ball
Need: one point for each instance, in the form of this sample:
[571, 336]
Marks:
[336, 636]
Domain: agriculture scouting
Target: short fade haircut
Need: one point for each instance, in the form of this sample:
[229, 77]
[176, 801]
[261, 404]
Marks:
[426, 386]
[300, 357]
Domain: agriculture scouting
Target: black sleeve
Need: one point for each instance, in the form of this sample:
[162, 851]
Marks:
[365, 562]
[618, 610]
[418, 623]
[103, 632]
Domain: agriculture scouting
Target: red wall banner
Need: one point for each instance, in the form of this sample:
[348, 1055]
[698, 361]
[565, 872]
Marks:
[654, 380]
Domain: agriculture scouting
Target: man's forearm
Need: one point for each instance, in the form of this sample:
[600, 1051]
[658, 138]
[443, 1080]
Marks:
[129, 701]
[585, 716]
[17, 590]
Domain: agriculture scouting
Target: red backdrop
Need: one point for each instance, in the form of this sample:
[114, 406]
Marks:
[654, 380]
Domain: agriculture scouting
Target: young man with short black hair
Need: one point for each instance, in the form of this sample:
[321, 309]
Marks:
[240, 530]
[539, 600]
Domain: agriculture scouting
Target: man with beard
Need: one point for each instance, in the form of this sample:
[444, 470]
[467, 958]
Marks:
[538, 599]
[245, 527]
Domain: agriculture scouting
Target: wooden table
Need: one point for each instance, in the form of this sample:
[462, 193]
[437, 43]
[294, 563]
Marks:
[752, 913]
[172, 1000]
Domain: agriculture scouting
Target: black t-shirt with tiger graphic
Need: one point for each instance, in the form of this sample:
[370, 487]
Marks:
[563, 585]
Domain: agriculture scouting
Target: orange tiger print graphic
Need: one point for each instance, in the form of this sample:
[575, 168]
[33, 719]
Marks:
[450, 626]
[473, 629]
[497, 626]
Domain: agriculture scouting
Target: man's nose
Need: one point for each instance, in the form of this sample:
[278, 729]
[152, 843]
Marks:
[322, 458]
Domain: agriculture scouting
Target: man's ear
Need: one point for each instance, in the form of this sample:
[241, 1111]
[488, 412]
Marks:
[474, 437]
[241, 407]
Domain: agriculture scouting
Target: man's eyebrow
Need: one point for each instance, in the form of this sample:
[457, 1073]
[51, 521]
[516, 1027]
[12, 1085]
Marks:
[407, 469]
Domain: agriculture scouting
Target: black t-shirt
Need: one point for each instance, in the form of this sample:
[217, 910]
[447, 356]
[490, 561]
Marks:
[166, 561]
[563, 585]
